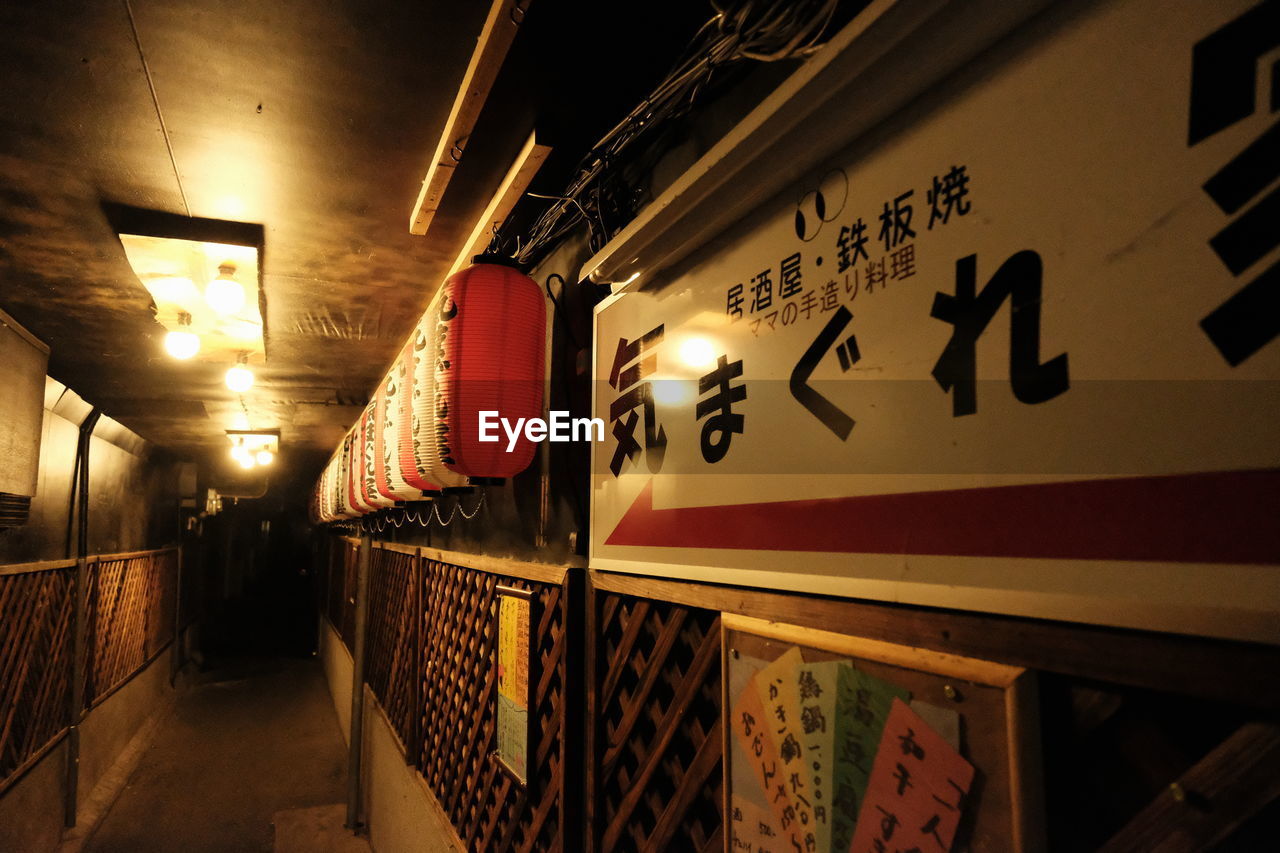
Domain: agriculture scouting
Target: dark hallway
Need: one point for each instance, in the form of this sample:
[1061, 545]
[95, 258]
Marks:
[250, 751]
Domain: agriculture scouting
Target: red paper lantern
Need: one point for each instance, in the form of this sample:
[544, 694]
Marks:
[490, 346]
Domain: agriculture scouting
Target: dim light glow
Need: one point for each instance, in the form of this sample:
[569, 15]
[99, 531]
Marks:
[265, 457]
[175, 289]
[181, 345]
[224, 294]
[239, 379]
[247, 461]
[697, 352]
[674, 392]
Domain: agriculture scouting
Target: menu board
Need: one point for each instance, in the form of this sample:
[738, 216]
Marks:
[841, 744]
[514, 607]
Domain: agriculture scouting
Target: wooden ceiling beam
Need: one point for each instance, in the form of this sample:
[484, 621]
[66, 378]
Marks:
[513, 186]
[500, 28]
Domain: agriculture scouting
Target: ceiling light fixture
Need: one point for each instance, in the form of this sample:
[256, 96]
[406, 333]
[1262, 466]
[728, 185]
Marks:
[240, 377]
[252, 449]
[182, 343]
[224, 294]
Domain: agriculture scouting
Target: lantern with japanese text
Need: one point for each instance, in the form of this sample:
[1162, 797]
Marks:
[392, 391]
[426, 417]
[351, 476]
[489, 346]
[369, 457]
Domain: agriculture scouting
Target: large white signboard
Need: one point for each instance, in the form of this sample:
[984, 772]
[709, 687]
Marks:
[1015, 353]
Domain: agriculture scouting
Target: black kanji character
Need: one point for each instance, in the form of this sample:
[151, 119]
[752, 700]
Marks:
[809, 686]
[722, 422]
[733, 300]
[948, 195]
[761, 291]
[790, 271]
[1018, 278]
[812, 720]
[851, 245]
[895, 222]
[634, 393]
[1225, 90]
[789, 749]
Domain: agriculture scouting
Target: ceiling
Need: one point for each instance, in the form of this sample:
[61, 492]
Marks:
[315, 121]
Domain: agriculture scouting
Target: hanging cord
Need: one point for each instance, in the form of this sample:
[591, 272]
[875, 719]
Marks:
[457, 509]
[559, 309]
[746, 30]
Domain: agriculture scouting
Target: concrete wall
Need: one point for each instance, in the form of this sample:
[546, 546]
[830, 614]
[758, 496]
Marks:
[399, 810]
[31, 811]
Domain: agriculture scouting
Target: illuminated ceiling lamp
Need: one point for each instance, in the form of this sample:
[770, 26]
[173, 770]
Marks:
[489, 352]
[240, 377]
[254, 448]
[182, 343]
[224, 294]
[241, 453]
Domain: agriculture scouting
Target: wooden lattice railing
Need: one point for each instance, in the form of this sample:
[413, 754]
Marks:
[395, 652]
[130, 612]
[35, 663]
[655, 758]
[431, 666]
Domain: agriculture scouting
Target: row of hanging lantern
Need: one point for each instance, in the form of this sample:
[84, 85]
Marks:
[480, 346]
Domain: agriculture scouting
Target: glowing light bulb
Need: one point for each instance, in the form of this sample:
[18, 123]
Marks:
[246, 461]
[265, 457]
[182, 345]
[239, 379]
[697, 352]
[224, 294]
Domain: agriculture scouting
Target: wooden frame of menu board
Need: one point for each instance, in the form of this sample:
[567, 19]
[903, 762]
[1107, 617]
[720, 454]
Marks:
[997, 726]
[510, 753]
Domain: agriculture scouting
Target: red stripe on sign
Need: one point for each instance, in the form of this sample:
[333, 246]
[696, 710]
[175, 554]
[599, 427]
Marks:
[1227, 517]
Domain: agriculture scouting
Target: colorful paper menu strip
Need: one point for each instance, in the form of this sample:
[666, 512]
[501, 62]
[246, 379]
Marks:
[916, 793]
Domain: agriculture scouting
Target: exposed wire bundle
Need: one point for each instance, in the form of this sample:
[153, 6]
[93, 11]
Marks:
[755, 30]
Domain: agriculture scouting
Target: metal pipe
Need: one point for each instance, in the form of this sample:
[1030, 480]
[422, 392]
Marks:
[80, 616]
[356, 744]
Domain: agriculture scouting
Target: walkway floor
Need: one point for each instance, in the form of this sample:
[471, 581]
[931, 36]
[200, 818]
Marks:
[252, 740]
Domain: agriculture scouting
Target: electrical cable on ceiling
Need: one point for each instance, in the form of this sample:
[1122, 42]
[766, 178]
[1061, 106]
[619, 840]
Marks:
[755, 30]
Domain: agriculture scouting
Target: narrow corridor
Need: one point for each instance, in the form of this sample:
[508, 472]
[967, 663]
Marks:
[245, 750]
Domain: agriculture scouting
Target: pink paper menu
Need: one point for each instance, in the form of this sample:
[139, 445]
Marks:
[916, 793]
